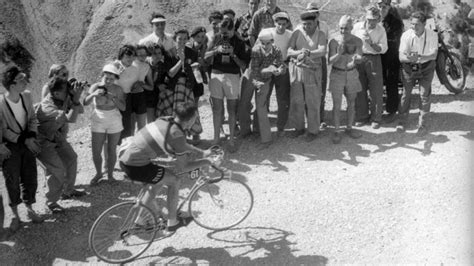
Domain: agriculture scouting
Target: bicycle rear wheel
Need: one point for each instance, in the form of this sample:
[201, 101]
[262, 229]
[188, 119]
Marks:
[123, 232]
[221, 205]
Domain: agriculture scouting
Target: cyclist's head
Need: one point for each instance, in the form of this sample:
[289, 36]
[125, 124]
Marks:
[186, 114]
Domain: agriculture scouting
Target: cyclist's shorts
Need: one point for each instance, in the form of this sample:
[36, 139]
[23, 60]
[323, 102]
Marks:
[149, 173]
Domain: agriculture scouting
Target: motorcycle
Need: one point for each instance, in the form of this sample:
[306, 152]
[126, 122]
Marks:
[449, 68]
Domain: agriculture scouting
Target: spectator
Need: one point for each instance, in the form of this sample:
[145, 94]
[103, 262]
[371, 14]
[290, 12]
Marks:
[242, 24]
[57, 156]
[106, 120]
[345, 51]
[263, 18]
[19, 133]
[159, 35]
[393, 25]
[215, 19]
[159, 65]
[322, 26]
[281, 82]
[55, 71]
[305, 51]
[135, 101]
[265, 62]
[182, 80]
[374, 43]
[227, 52]
[229, 13]
[418, 51]
[144, 83]
[5, 153]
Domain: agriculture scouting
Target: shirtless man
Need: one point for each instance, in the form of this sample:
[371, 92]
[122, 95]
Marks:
[345, 51]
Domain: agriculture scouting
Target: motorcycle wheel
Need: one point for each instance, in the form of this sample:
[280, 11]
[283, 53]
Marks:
[451, 74]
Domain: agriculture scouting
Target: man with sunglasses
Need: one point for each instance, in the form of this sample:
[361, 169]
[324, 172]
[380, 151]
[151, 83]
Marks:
[19, 132]
[370, 70]
[266, 62]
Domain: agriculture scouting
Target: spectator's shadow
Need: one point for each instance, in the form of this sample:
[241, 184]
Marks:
[249, 246]
[349, 150]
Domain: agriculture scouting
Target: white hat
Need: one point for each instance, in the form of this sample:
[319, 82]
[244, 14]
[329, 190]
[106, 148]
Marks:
[312, 7]
[111, 68]
[265, 35]
[280, 15]
[158, 19]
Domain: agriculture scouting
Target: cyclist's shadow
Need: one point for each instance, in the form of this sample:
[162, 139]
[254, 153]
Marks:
[270, 246]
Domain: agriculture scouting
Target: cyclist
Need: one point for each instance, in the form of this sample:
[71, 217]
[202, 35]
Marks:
[161, 138]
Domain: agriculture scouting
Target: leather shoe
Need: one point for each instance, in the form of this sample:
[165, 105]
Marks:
[73, 194]
[56, 208]
[15, 224]
[34, 217]
[375, 125]
[400, 128]
[353, 134]
[182, 221]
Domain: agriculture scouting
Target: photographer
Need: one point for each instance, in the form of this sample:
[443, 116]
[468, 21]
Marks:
[106, 120]
[57, 156]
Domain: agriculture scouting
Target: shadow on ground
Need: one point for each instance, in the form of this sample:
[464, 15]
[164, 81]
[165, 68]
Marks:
[349, 151]
[241, 246]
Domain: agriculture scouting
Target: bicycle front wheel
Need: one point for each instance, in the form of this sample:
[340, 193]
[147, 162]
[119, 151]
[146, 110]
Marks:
[123, 232]
[221, 205]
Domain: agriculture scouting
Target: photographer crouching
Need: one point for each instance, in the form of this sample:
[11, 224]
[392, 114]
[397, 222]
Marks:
[60, 107]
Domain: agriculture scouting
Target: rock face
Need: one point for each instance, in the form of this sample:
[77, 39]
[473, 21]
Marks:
[84, 35]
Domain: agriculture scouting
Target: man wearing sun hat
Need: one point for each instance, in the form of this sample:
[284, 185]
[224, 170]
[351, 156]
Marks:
[266, 61]
[306, 48]
[374, 44]
[159, 36]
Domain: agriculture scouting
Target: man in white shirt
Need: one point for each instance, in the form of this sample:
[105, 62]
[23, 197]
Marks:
[281, 38]
[159, 36]
[374, 44]
[417, 53]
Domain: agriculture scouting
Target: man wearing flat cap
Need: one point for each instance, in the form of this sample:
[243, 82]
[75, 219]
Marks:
[263, 19]
[158, 36]
[393, 25]
[370, 70]
[305, 51]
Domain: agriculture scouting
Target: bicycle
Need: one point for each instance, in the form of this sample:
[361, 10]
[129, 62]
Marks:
[126, 230]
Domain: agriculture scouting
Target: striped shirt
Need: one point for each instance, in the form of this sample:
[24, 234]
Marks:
[149, 143]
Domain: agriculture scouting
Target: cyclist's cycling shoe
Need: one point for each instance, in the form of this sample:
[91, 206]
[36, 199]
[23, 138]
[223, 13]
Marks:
[182, 221]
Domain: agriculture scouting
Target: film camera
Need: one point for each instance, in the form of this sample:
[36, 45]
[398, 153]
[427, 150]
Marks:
[74, 82]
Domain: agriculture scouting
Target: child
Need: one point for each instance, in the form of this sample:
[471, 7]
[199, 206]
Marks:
[144, 83]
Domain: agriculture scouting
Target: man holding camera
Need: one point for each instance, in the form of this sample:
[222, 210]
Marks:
[417, 53]
[229, 58]
[57, 156]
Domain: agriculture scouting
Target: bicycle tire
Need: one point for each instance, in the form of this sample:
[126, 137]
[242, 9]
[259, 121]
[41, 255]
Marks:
[227, 211]
[112, 234]
[454, 85]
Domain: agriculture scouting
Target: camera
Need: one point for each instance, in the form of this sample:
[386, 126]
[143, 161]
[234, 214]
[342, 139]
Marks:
[103, 88]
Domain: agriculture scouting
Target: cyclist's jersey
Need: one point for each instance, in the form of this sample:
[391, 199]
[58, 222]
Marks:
[149, 143]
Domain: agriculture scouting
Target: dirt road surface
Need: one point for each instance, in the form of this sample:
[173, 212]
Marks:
[386, 198]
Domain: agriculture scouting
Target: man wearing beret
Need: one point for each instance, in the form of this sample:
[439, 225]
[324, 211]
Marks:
[305, 51]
